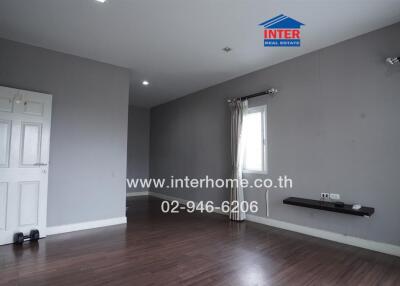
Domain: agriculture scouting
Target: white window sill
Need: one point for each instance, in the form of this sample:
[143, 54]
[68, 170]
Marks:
[254, 172]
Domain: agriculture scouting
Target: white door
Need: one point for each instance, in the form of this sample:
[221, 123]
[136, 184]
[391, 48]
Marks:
[25, 118]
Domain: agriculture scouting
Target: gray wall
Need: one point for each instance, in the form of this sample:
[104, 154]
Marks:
[333, 127]
[89, 129]
[138, 145]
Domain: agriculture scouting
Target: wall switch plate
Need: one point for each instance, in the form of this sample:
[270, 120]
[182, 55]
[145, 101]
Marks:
[334, 196]
[324, 195]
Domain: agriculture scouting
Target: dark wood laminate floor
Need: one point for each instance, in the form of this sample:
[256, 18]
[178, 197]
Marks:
[191, 249]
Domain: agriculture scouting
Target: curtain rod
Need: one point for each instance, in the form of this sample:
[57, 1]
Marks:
[271, 91]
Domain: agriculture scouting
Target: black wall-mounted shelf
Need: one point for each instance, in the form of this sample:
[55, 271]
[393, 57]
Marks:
[328, 206]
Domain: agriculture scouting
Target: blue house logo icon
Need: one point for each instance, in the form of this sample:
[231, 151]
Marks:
[281, 31]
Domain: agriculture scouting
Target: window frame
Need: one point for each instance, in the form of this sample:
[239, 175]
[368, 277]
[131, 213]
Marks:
[264, 171]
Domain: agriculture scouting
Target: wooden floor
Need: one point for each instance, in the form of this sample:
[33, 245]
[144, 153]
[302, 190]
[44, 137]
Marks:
[191, 249]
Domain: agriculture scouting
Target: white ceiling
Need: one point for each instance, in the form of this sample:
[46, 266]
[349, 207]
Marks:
[176, 44]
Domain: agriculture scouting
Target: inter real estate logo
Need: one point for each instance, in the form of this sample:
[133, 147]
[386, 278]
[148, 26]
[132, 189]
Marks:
[281, 31]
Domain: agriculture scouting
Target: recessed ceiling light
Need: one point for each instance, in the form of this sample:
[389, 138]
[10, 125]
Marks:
[101, 1]
[145, 82]
[227, 49]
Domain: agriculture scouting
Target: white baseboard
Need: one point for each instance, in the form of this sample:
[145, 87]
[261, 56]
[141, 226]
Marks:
[168, 198]
[337, 237]
[135, 194]
[85, 225]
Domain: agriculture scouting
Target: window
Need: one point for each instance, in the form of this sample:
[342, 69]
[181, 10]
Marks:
[254, 128]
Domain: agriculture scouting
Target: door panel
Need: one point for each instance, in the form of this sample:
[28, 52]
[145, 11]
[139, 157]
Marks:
[3, 205]
[5, 104]
[33, 108]
[25, 119]
[31, 135]
[5, 135]
[7, 96]
[29, 203]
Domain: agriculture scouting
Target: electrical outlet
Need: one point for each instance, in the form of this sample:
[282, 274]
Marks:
[334, 196]
[324, 195]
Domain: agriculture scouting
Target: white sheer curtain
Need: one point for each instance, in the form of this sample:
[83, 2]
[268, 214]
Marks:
[238, 112]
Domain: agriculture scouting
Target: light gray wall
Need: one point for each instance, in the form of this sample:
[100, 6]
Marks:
[88, 133]
[333, 127]
[138, 145]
